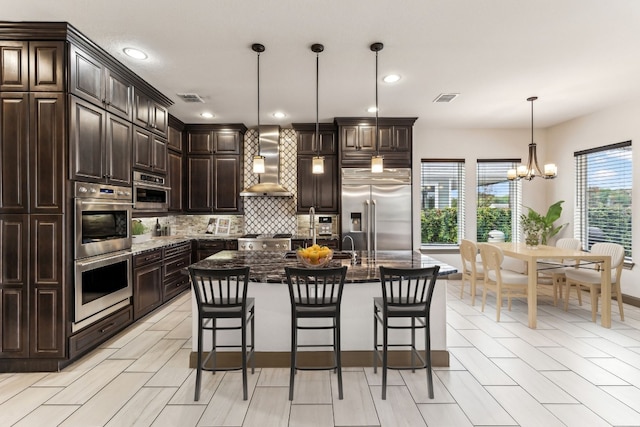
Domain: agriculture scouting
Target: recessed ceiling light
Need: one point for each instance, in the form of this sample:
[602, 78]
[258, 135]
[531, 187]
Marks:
[391, 78]
[135, 53]
[207, 115]
[279, 115]
[371, 109]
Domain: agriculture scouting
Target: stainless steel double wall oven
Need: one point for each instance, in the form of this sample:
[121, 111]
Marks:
[103, 270]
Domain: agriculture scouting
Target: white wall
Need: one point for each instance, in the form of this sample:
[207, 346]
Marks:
[471, 145]
[610, 126]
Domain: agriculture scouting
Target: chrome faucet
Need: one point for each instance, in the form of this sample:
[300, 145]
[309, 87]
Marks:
[312, 224]
[353, 249]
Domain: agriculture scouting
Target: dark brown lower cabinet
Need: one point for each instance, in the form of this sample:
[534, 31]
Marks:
[47, 334]
[147, 282]
[176, 259]
[14, 254]
[99, 332]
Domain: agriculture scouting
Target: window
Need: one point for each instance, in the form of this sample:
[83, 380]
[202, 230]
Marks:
[499, 200]
[603, 196]
[442, 196]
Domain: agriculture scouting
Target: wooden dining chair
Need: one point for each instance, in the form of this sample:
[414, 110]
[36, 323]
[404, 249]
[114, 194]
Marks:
[472, 270]
[553, 271]
[589, 277]
[502, 281]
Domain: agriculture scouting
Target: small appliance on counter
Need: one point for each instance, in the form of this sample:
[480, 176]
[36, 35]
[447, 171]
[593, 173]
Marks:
[325, 228]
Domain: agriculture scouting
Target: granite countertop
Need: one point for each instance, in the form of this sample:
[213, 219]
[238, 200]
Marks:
[158, 242]
[268, 267]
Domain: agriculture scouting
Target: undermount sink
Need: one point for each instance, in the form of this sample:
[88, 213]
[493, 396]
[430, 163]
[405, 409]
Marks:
[336, 255]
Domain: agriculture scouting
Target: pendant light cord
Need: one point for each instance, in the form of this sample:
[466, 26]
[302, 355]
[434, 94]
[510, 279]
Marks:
[258, 101]
[317, 104]
[377, 132]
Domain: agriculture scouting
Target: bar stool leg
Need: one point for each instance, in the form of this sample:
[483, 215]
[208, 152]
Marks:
[375, 339]
[253, 340]
[413, 345]
[385, 337]
[427, 341]
[294, 347]
[336, 345]
[199, 362]
[243, 330]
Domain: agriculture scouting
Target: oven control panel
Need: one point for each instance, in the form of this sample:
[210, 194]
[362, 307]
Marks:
[86, 190]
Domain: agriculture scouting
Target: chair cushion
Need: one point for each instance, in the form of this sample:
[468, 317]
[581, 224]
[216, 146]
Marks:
[400, 310]
[510, 277]
[210, 309]
[587, 275]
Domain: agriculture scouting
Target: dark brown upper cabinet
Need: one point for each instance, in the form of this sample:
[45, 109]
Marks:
[100, 144]
[358, 143]
[306, 136]
[149, 151]
[46, 66]
[202, 141]
[149, 114]
[14, 146]
[95, 82]
[14, 66]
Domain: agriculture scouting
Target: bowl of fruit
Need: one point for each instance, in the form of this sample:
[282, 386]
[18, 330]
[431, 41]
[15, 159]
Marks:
[314, 256]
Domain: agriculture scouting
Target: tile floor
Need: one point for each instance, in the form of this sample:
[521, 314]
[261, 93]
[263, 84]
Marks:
[567, 372]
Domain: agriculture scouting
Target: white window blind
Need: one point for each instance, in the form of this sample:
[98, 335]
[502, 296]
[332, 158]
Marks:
[442, 201]
[498, 198]
[603, 196]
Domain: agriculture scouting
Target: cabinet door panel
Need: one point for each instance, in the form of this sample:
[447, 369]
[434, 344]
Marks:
[118, 95]
[142, 147]
[147, 289]
[86, 141]
[226, 191]
[174, 178]
[46, 62]
[160, 119]
[306, 183]
[14, 140]
[14, 69]
[175, 139]
[13, 250]
[141, 109]
[199, 182]
[327, 186]
[199, 142]
[118, 151]
[47, 148]
[159, 163]
[226, 142]
[86, 76]
[47, 317]
[13, 287]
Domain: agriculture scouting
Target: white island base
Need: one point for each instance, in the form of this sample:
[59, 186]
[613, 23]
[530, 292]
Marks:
[273, 328]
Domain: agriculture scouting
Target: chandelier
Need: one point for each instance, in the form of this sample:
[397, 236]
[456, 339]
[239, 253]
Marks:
[258, 160]
[532, 169]
[317, 164]
[377, 165]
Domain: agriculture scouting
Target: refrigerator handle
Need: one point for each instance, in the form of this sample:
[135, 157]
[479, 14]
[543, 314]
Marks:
[367, 224]
[374, 226]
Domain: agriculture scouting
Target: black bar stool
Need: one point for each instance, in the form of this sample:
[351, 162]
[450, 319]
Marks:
[315, 294]
[222, 294]
[406, 294]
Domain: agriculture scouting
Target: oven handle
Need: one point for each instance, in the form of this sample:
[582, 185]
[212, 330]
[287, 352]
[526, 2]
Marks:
[101, 202]
[144, 184]
[103, 259]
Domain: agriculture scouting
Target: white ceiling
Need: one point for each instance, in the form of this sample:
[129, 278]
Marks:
[577, 56]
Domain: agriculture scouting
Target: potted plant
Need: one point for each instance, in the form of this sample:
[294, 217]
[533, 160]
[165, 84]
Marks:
[539, 228]
[139, 232]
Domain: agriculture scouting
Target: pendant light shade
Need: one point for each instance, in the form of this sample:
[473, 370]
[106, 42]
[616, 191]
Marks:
[258, 160]
[377, 164]
[317, 166]
[531, 169]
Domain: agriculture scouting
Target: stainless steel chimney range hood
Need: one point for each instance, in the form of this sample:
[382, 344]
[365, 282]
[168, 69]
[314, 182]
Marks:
[269, 185]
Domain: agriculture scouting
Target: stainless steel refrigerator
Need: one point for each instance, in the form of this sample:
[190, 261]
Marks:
[376, 209]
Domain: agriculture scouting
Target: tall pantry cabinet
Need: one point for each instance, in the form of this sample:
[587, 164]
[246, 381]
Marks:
[37, 169]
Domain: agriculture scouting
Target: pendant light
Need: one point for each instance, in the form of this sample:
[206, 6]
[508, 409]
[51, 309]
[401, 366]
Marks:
[377, 160]
[531, 169]
[258, 160]
[317, 163]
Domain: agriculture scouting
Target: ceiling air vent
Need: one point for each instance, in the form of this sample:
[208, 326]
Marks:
[446, 97]
[191, 97]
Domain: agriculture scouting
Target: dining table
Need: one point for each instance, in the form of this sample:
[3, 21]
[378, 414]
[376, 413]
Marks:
[577, 258]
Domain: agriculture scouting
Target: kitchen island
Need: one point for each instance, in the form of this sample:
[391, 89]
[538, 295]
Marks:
[268, 287]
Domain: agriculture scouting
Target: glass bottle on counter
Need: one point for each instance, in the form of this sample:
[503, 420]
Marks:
[158, 228]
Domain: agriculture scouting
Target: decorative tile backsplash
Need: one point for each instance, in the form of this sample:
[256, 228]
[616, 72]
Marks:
[271, 214]
[262, 215]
